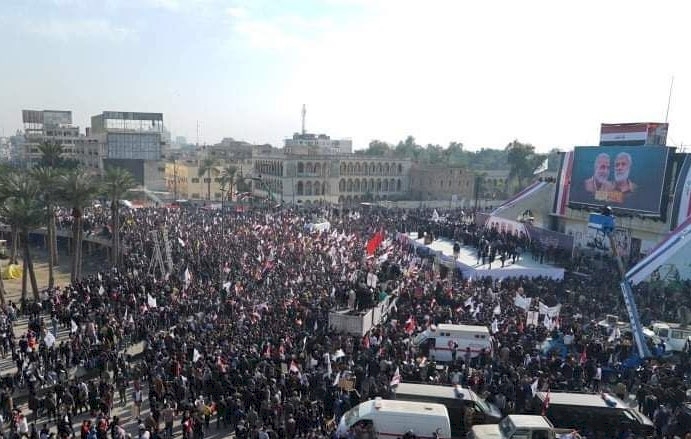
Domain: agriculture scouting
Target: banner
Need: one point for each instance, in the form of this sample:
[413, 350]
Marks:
[550, 311]
[549, 238]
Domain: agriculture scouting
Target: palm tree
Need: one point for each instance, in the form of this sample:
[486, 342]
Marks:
[228, 177]
[23, 208]
[47, 179]
[205, 168]
[51, 154]
[77, 189]
[116, 183]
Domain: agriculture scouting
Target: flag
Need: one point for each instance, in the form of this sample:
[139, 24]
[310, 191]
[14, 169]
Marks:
[435, 216]
[337, 379]
[49, 339]
[533, 387]
[365, 341]
[542, 168]
[497, 310]
[545, 405]
[295, 369]
[374, 242]
[495, 326]
[196, 355]
[584, 358]
[150, 301]
[188, 276]
[338, 354]
[410, 325]
[396, 379]
[73, 326]
[101, 290]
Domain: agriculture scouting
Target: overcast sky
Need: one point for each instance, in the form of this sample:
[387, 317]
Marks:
[478, 72]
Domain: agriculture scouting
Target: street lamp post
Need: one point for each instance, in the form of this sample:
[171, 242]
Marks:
[224, 184]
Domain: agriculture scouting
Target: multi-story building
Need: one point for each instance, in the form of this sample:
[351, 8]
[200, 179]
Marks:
[334, 179]
[47, 126]
[133, 141]
[438, 182]
[184, 182]
[317, 144]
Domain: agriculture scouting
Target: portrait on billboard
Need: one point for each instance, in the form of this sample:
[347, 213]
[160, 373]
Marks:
[626, 178]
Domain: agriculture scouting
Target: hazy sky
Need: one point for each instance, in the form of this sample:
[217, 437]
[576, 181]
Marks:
[478, 72]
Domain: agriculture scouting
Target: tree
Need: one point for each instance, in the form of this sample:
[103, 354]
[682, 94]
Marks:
[522, 161]
[23, 208]
[47, 179]
[205, 168]
[378, 148]
[51, 156]
[77, 189]
[228, 179]
[116, 183]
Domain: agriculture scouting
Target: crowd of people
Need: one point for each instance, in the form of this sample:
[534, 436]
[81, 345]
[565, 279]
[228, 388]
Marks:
[235, 334]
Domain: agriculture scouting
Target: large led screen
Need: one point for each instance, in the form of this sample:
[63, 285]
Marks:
[625, 178]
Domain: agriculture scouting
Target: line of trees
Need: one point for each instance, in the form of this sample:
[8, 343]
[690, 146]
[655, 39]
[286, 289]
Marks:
[520, 159]
[28, 201]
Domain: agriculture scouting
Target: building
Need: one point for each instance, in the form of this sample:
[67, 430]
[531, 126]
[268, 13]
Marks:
[133, 141]
[439, 182]
[313, 144]
[183, 180]
[335, 179]
[47, 126]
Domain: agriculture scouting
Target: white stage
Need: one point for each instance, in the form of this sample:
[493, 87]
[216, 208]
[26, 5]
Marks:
[467, 262]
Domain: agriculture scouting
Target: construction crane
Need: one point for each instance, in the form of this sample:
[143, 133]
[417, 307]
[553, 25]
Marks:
[604, 223]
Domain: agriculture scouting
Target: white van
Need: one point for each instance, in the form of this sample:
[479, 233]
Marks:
[438, 342]
[388, 419]
[673, 335]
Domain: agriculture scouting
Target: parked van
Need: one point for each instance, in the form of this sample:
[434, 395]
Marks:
[585, 412]
[674, 336]
[388, 419]
[439, 341]
[465, 407]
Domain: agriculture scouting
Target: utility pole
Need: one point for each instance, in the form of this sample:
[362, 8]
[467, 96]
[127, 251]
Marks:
[175, 177]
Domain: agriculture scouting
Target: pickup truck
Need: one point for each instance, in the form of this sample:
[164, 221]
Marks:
[518, 427]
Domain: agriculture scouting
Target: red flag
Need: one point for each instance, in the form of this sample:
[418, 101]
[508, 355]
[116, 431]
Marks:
[374, 242]
[396, 379]
[410, 325]
[545, 405]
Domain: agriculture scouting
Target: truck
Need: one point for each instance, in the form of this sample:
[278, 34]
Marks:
[388, 419]
[675, 336]
[438, 342]
[517, 427]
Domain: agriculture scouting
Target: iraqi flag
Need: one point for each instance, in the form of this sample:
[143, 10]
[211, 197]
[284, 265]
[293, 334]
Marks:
[410, 325]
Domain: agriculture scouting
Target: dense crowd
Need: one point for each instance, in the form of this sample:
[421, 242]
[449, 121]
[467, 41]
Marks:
[236, 333]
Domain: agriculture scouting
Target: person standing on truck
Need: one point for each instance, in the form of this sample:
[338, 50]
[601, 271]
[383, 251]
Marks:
[454, 352]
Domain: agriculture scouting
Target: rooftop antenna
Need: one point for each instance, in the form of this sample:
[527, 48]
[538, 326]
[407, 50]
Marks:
[669, 99]
[304, 113]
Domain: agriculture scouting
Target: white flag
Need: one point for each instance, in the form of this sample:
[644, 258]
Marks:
[101, 290]
[188, 276]
[396, 379]
[196, 355]
[337, 379]
[49, 339]
[542, 168]
[150, 301]
[73, 326]
[533, 387]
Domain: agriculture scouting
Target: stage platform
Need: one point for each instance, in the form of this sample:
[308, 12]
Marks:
[467, 261]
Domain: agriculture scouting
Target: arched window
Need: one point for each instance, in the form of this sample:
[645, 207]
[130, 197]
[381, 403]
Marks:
[379, 185]
[350, 169]
[344, 168]
[349, 185]
[309, 168]
[341, 185]
[372, 168]
[325, 188]
[380, 169]
[308, 188]
[400, 169]
[398, 185]
[301, 190]
[386, 169]
[385, 185]
[301, 167]
[356, 185]
[357, 168]
[318, 169]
